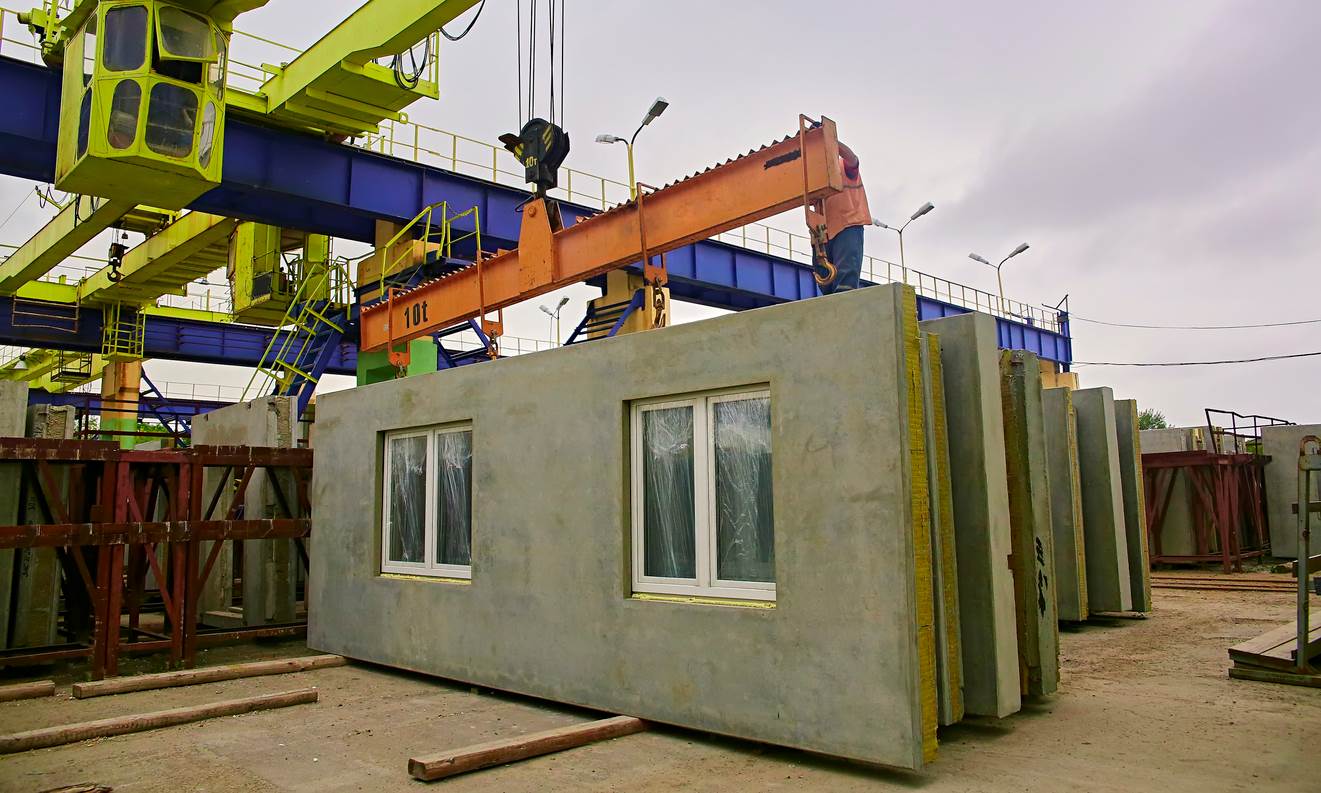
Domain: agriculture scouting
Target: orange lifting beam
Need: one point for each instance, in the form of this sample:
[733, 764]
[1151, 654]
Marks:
[798, 170]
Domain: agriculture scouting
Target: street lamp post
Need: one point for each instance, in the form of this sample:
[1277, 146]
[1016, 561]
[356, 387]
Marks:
[1000, 284]
[653, 113]
[922, 210]
[554, 315]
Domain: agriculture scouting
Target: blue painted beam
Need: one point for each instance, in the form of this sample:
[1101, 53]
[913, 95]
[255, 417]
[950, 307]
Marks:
[165, 338]
[302, 181]
[180, 408]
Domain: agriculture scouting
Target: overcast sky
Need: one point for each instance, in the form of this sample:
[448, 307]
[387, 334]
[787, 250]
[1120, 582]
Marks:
[1162, 159]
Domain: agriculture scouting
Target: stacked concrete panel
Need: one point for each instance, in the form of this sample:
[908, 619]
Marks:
[270, 567]
[970, 362]
[1033, 557]
[1065, 504]
[13, 418]
[1109, 586]
[36, 585]
[945, 577]
[842, 663]
[1135, 506]
[1281, 443]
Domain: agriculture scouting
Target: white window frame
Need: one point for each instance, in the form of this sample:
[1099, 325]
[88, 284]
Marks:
[705, 583]
[428, 566]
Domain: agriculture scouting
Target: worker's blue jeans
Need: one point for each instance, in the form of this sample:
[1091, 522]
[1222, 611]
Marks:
[845, 252]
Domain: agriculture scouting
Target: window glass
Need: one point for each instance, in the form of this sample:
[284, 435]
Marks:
[454, 498]
[669, 516]
[207, 135]
[88, 54]
[123, 125]
[184, 35]
[216, 70]
[407, 459]
[171, 119]
[125, 38]
[745, 529]
[84, 121]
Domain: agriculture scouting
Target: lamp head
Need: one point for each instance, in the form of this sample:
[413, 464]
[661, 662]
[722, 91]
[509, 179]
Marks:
[977, 258]
[877, 222]
[1018, 250]
[655, 111]
[546, 310]
[609, 139]
[922, 210]
[562, 303]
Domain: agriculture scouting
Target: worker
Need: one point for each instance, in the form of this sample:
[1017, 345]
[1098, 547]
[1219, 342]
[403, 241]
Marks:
[847, 215]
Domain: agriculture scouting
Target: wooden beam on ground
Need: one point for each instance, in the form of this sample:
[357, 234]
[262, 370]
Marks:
[189, 677]
[139, 722]
[509, 750]
[40, 688]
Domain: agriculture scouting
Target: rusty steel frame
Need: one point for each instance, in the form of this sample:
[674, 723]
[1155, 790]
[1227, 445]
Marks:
[121, 508]
[1227, 494]
[793, 172]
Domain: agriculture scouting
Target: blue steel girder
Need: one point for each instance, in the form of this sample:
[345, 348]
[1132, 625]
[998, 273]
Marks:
[166, 338]
[301, 181]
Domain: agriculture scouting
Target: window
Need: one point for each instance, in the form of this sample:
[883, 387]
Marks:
[125, 45]
[171, 118]
[703, 513]
[184, 34]
[123, 125]
[427, 502]
[207, 135]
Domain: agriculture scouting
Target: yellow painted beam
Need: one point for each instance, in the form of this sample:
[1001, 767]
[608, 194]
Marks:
[71, 229]
[160, 264]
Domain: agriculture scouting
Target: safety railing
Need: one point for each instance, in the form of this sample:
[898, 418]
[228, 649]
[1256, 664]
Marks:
[436, 228]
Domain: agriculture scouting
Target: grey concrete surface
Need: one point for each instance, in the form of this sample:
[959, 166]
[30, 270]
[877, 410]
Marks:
[970, 361]
[36, 585]
[945, 576]
[1065, 504]
[1108, 583]
[1033, 558]
[1281, 443]
[1171, 439]
[13, 418]
[1135, 502]
[269, 566]
[833, 667]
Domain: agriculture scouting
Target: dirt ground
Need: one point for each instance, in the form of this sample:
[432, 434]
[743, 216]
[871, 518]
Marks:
[1143, 705]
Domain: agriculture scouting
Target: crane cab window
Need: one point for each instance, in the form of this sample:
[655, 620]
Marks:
[125, 45]
[171, 119]
[184, 45]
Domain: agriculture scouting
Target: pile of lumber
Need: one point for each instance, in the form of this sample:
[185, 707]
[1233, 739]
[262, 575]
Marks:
[1272, 656]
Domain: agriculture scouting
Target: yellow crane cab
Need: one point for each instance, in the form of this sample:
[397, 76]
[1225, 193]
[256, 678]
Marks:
[142, 107]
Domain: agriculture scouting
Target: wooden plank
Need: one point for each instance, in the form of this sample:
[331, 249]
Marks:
[1272, 676]
[1313, 565]
[1277, 646]
[39, 688]
[120, 725]
[189, 677]
[509, 750]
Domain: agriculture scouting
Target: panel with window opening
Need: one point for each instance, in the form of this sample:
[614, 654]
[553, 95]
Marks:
[703, 501]
[427, 502]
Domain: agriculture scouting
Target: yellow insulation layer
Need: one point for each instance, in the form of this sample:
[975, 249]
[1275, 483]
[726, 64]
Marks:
[918, 498]
[945, 504]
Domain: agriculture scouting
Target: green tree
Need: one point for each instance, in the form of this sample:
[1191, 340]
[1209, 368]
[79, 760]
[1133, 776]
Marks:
[1152, 420]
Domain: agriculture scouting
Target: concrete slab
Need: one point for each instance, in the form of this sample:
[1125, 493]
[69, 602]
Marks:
[36, 585]
[13, 418]
[1135, 503]
[945, 575]
[970, 362]
[1065, 504]
[1281, 443]
[842, 663]
[1033, 558]
[269, 566]
[1109, 587]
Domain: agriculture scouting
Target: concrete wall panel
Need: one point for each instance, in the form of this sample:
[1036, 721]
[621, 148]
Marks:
[835, 666]
[1109, 587]
[1065, 504]
[1135, 502]
[1281, 443]
[970, 361]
